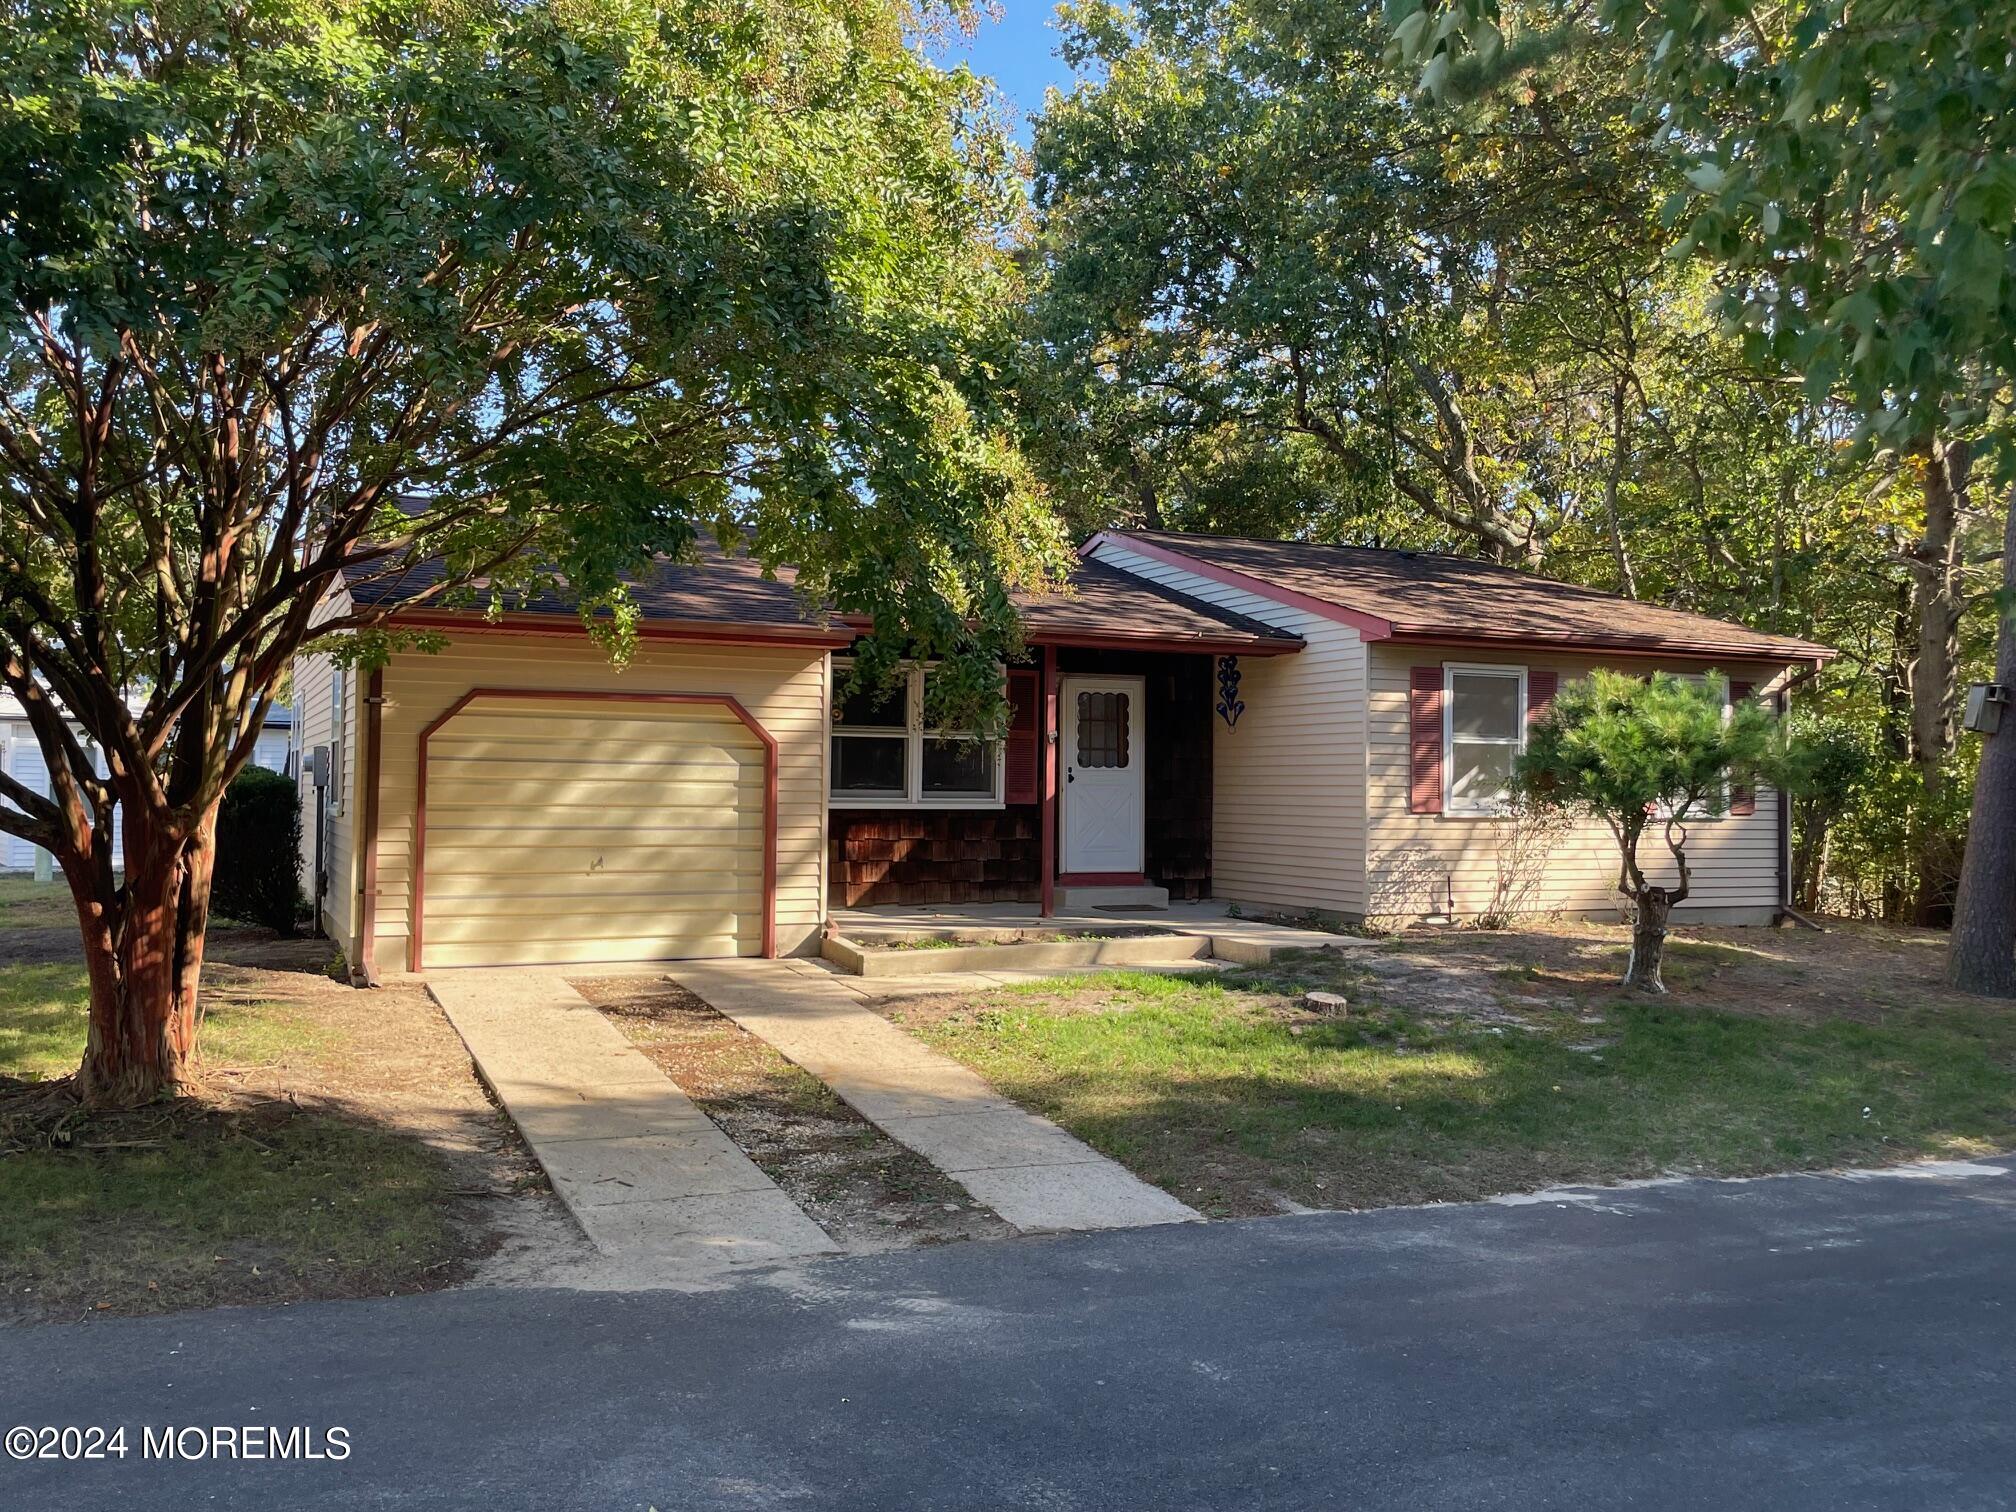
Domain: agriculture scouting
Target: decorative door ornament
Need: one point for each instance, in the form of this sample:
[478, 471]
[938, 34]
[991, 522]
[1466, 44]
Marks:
[1229, 706]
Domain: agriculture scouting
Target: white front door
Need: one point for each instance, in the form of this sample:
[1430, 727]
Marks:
[1103, 819]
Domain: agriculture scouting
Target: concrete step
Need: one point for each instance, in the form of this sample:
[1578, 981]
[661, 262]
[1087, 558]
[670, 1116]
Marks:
[1073, 899]
[860, 956]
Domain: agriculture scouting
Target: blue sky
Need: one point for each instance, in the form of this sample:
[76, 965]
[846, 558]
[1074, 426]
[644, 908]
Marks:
[1019, 52]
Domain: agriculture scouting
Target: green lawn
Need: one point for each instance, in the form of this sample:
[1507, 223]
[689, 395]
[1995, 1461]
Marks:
[237, 1197]
[1226, 1091]
[28, 904]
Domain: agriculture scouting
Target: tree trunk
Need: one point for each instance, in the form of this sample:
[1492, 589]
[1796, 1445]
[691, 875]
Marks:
[1936, 603]
[1653, 908]
[143, 947]
[1982, 954]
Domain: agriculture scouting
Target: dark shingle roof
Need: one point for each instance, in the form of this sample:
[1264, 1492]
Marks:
[1424, 595]
[725, 588]
[720, 588]
[1104, 601]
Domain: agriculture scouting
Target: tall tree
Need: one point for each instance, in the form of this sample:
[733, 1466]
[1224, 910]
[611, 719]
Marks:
[538, 288]
[1851, 175]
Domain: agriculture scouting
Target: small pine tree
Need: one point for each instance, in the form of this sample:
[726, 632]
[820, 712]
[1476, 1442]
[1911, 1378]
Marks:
[1645, 753]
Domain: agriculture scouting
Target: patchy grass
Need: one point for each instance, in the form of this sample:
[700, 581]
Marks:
[1229, 1092]
[266, 1188]
[28, 904]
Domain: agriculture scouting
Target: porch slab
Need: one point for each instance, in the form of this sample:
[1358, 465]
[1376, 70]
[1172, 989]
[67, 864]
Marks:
[1024, 1167]
[648, 1176]
[1234, 941]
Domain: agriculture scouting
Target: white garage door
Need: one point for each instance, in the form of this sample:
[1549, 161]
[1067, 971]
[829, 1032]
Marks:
[563, 830]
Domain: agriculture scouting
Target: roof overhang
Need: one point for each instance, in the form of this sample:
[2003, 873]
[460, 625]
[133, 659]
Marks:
[714, 632]
[1229, 644]
[1207, 645]
[1620, 646]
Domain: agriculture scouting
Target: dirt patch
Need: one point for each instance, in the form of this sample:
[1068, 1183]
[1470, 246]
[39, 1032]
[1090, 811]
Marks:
[1854, 971]
[861, 1186]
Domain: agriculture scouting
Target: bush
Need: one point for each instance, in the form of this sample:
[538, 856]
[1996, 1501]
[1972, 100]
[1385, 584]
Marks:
[258, 876]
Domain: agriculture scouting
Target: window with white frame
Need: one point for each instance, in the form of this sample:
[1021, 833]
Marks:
[1483, 732]
[884, 756]
[339, 721]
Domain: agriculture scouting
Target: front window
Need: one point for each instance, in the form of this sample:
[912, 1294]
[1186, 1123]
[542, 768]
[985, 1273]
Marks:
[883, 755]
[1484, 732]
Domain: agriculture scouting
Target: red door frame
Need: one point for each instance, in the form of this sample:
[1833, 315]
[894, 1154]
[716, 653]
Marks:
[417, 945]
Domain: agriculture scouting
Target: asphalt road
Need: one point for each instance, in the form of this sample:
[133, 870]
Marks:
[1813, 1342]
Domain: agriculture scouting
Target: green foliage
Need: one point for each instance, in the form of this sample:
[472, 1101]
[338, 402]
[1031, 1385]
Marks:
[1638, 751]
[1825, 763]
[538, 290]
[259, 851]
[1850, 169]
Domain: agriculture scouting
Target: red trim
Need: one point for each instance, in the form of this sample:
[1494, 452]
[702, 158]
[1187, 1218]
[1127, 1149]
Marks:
[1102, 879]
[374, 741]
[1425, 733]
[1093, 640]
[806, 636]
[1368, 625]
[1046, 809]
[1022, 750]
[726, 701]
[1635, 647]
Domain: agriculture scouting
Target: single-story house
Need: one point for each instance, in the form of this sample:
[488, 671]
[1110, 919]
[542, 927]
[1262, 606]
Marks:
[21, 758]
[1282, 725]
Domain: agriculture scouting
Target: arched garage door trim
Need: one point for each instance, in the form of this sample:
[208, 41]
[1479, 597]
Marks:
[722, 700]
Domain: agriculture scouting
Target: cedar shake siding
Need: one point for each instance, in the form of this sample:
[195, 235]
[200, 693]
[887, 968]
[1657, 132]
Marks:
[1288, 781]
[913, 857]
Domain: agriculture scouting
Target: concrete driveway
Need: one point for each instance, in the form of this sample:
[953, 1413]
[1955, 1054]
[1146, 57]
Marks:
[1811, 1342]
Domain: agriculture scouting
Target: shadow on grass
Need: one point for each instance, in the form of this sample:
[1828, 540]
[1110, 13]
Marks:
[1228, 1093]
[227, 1197]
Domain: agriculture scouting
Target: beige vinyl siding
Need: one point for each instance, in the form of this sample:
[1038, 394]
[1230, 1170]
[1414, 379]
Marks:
[783, 688]
[1288, 781]
[1416, 859]
[570, 830]
[312, 677]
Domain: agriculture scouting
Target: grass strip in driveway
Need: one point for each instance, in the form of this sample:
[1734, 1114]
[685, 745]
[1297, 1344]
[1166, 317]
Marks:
[1231, 1094]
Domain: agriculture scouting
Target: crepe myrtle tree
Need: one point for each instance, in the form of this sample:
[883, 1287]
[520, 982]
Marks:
[534, 289]
[1645, 754]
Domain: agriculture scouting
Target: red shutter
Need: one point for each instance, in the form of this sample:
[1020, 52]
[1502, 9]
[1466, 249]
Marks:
[1540, 689]
[1020, 757]
[1742, 800]
[1424, 704]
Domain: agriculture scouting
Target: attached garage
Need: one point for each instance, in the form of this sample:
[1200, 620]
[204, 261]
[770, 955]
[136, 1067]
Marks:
[562, 828]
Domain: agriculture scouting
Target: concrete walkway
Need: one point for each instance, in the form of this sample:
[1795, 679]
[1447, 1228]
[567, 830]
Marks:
[1024, 1167]
[647, 1174]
